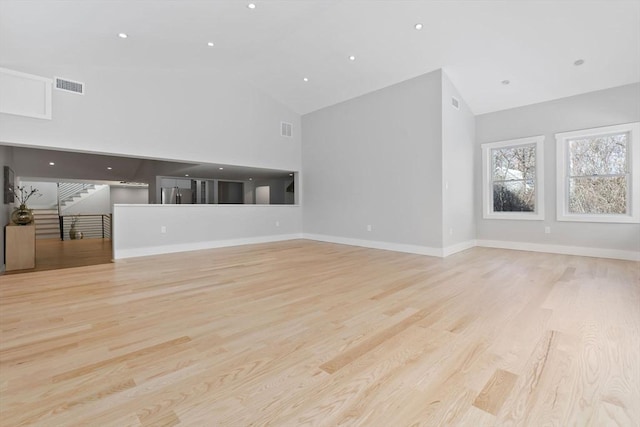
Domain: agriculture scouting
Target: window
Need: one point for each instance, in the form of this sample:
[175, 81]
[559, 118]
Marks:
[597, 174]
[512, 179]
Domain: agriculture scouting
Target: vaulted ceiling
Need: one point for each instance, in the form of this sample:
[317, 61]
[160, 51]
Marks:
[279, 43]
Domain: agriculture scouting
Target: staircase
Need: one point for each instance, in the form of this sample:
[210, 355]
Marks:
[70, 193]
[47, 223]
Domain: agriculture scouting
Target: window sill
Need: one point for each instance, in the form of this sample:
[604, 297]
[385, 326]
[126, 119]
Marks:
[612, 219]
[528, 216]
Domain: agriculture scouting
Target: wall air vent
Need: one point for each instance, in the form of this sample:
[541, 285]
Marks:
[69, 86]
[286, 129]
[455, 103]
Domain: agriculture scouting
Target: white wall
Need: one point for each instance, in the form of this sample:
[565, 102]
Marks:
[95, 203]
[595, 109]
[48, 192]
[168, 114]
[129, 195]
[277, 190]
[458, 145]
[137, 228]
[263, 195]
[6, 159]
[377, 160]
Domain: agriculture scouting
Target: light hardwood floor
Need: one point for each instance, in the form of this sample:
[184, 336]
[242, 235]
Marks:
[52, 254]
[308, 333]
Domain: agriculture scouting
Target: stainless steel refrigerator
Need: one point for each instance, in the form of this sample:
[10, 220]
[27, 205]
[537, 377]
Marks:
[176, 196]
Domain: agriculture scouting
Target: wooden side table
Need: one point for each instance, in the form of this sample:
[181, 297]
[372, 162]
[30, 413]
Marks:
[20, 246]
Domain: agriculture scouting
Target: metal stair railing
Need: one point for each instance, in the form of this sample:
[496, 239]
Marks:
[96, 226]
[68, 190]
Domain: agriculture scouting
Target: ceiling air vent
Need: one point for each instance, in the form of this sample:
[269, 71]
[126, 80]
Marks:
[69, 86]
[455, 103]
[286, 129]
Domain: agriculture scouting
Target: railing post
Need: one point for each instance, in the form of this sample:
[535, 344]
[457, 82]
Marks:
[58, 194]
[102, 217]
[61, 221]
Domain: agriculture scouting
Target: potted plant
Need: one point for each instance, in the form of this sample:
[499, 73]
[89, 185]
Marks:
[23, 215]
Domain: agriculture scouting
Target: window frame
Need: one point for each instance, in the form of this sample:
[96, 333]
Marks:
[633, 163]
[487, 179]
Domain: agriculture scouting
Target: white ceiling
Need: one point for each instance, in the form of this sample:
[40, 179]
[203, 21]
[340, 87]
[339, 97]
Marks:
[478, 43]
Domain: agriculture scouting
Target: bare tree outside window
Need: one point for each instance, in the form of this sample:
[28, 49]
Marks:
[598, 175]
[514, 177]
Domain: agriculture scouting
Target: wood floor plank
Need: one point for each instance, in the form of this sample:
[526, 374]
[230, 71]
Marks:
[312, 333]
[496, 391]
[343, 359]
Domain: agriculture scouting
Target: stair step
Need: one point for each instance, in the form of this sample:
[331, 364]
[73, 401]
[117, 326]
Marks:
[47, 223]
[47, 236]
[47, 227]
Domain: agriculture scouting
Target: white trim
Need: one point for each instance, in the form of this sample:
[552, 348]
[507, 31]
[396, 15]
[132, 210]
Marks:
[633, 150]
[565, 250]
[458, 247]
[196, 246]
[487, 190]
[46, 96]
[396, 247]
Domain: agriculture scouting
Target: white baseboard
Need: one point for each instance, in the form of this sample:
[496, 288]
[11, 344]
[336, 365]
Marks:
[396, 247]
[565, 250]
[458, 247]
[196, 246]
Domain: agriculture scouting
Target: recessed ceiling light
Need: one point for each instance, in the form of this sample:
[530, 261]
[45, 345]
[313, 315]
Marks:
[505, 82]
[51, 164]
[352, 58]
[250, 179]
[221, 169]
[290, 174]
[305, 79]
[418, 26]
[578, 62]
[186, 174]
[109, 168]
[123, 35]
[251, 5]
[210, 44]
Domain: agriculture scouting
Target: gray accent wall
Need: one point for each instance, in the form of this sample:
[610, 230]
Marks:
[596, 109]
[377, 160]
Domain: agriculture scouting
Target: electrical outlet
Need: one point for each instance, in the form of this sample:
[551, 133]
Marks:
[277, 223]
[163, 229]
[369, 227]
[547, 230]
[451, 232]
